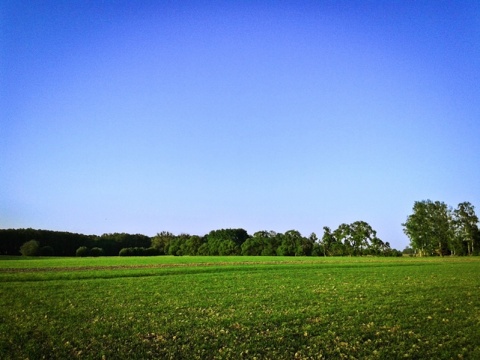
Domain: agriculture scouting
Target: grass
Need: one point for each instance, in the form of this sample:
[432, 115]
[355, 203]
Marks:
[240, 307]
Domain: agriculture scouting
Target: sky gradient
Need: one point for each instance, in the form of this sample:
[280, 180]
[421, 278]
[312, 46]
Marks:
[139, 117]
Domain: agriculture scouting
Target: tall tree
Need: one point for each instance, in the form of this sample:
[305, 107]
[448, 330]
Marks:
[377, 246]
[343, 235]
[466, 226]
[226, 241]
[294, 244]
[30, 248]
[362, 235]
[256, 245]
[193, 244]
[161, 242]
[327, 241]
[430, 227]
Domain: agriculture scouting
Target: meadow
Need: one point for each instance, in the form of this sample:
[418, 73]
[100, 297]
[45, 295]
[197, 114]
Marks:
[240, 307]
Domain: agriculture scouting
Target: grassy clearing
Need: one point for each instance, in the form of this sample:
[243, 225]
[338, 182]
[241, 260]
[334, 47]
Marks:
[240, 307]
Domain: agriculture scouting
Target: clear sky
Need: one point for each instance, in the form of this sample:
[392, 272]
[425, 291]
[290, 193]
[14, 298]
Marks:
[189, 116]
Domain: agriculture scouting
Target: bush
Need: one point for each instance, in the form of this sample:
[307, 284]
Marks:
[46, 251]
[96, 251]
[82, 251]
[30, 248]
[126, 252]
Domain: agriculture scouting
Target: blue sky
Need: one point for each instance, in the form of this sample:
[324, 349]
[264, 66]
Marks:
[144, 116]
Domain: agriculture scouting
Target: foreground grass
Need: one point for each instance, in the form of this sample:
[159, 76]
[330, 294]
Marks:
[240, 307]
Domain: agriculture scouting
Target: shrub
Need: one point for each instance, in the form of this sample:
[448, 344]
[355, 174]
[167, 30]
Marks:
[30, 248]
[82, 251]
[126, 252]
[96, 251]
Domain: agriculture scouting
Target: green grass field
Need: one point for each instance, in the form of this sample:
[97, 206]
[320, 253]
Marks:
[240, 307]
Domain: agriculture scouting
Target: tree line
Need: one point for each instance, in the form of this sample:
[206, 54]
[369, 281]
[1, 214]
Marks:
[355, 239]
[434, 228]
[61, 243]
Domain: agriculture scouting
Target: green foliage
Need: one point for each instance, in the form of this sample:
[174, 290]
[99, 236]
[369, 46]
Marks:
[82, 251]
[47, 251]
[465, 224]
[96, 251]
[64, 243]
[203, 250]
[317, 250]
[355, 239]
[264, 243]
[434, 229]
[128, 252]
[192, 245]
[240, 307]
[138, 251]
[226, 241]
[30, 248]
[162, 241]
[252, 246]
[328, 240]
[150, 252]
[292, 243]
[113, 243]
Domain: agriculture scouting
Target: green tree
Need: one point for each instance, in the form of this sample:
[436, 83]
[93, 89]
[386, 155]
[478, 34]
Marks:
[162, 242]
[203, 250]
[228, 247]
[178, 245]
[294, 244]
[430, 227]
[127, 252]
[328, 239]
[343, 235]
[30, 248]
[46, 251]
[466, 226]
[376, 246]
[253, 246]
[192, 245]
[262, 243]
[96, 251]
[364, 238]
[305, 245]
[271, 242]
[308, 244]
[226, 241]
[82, 251]
[288, 244]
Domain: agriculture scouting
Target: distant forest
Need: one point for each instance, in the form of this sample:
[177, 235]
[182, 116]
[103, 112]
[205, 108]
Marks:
[434, 229]
[354, 239]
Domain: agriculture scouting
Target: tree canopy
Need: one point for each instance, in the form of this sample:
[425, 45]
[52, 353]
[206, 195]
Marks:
[435, 229]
